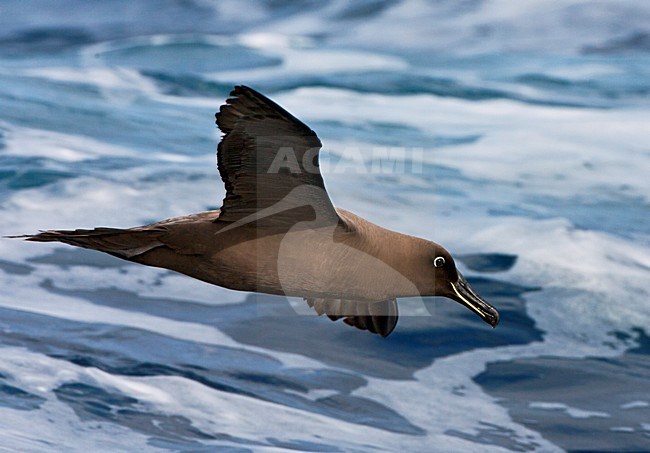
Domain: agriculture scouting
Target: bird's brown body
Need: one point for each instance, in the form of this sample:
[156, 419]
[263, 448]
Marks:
[338, 262]
[278, 233]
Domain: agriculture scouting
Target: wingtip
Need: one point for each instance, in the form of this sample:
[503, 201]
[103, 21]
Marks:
[241, 88]
[41, 236]
[235, 93]
[18, 236]
[242, 100]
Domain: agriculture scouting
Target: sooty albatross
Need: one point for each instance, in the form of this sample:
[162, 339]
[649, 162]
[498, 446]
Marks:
[277, 231]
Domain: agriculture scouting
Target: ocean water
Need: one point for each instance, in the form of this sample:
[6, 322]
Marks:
[517, 135]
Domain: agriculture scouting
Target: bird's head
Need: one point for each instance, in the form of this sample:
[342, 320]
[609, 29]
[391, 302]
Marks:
[443, 279]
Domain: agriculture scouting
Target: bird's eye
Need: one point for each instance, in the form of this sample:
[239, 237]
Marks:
[439, 261]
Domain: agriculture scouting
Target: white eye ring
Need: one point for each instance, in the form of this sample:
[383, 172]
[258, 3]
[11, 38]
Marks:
[439, 262]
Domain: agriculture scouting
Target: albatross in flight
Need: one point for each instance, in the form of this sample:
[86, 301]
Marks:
[277, 231]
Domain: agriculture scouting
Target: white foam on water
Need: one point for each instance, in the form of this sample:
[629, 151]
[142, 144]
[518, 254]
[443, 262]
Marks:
[115, 78]
[180, 287]
[591, 281]
[314, 394]
[444, 399]
[570, 411]
[22, 295]
[274, 41]
[299, 60]
[87, 202]
[635, 405]
[583, 72]
[144, 281]
[565, 26]
[558, 26]
[215, 411]
[54, 425]
[25, 141]
[210, 410]
[231, 11]
[545, 150]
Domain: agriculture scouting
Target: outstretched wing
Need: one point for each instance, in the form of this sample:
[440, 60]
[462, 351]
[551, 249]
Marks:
[268, 161]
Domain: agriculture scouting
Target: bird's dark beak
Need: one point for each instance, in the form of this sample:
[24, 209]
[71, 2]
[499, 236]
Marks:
[464, 294]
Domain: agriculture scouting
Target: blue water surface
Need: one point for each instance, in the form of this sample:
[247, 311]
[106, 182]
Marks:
[525, 139]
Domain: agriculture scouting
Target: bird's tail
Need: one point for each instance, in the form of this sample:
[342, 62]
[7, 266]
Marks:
[124, 243]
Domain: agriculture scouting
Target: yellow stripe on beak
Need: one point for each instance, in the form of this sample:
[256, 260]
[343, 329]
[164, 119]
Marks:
[469, 304]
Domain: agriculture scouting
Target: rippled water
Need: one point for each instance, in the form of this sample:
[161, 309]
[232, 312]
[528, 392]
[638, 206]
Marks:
[525, 132]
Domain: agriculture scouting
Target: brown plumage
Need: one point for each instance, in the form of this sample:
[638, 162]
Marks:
[278, 232]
